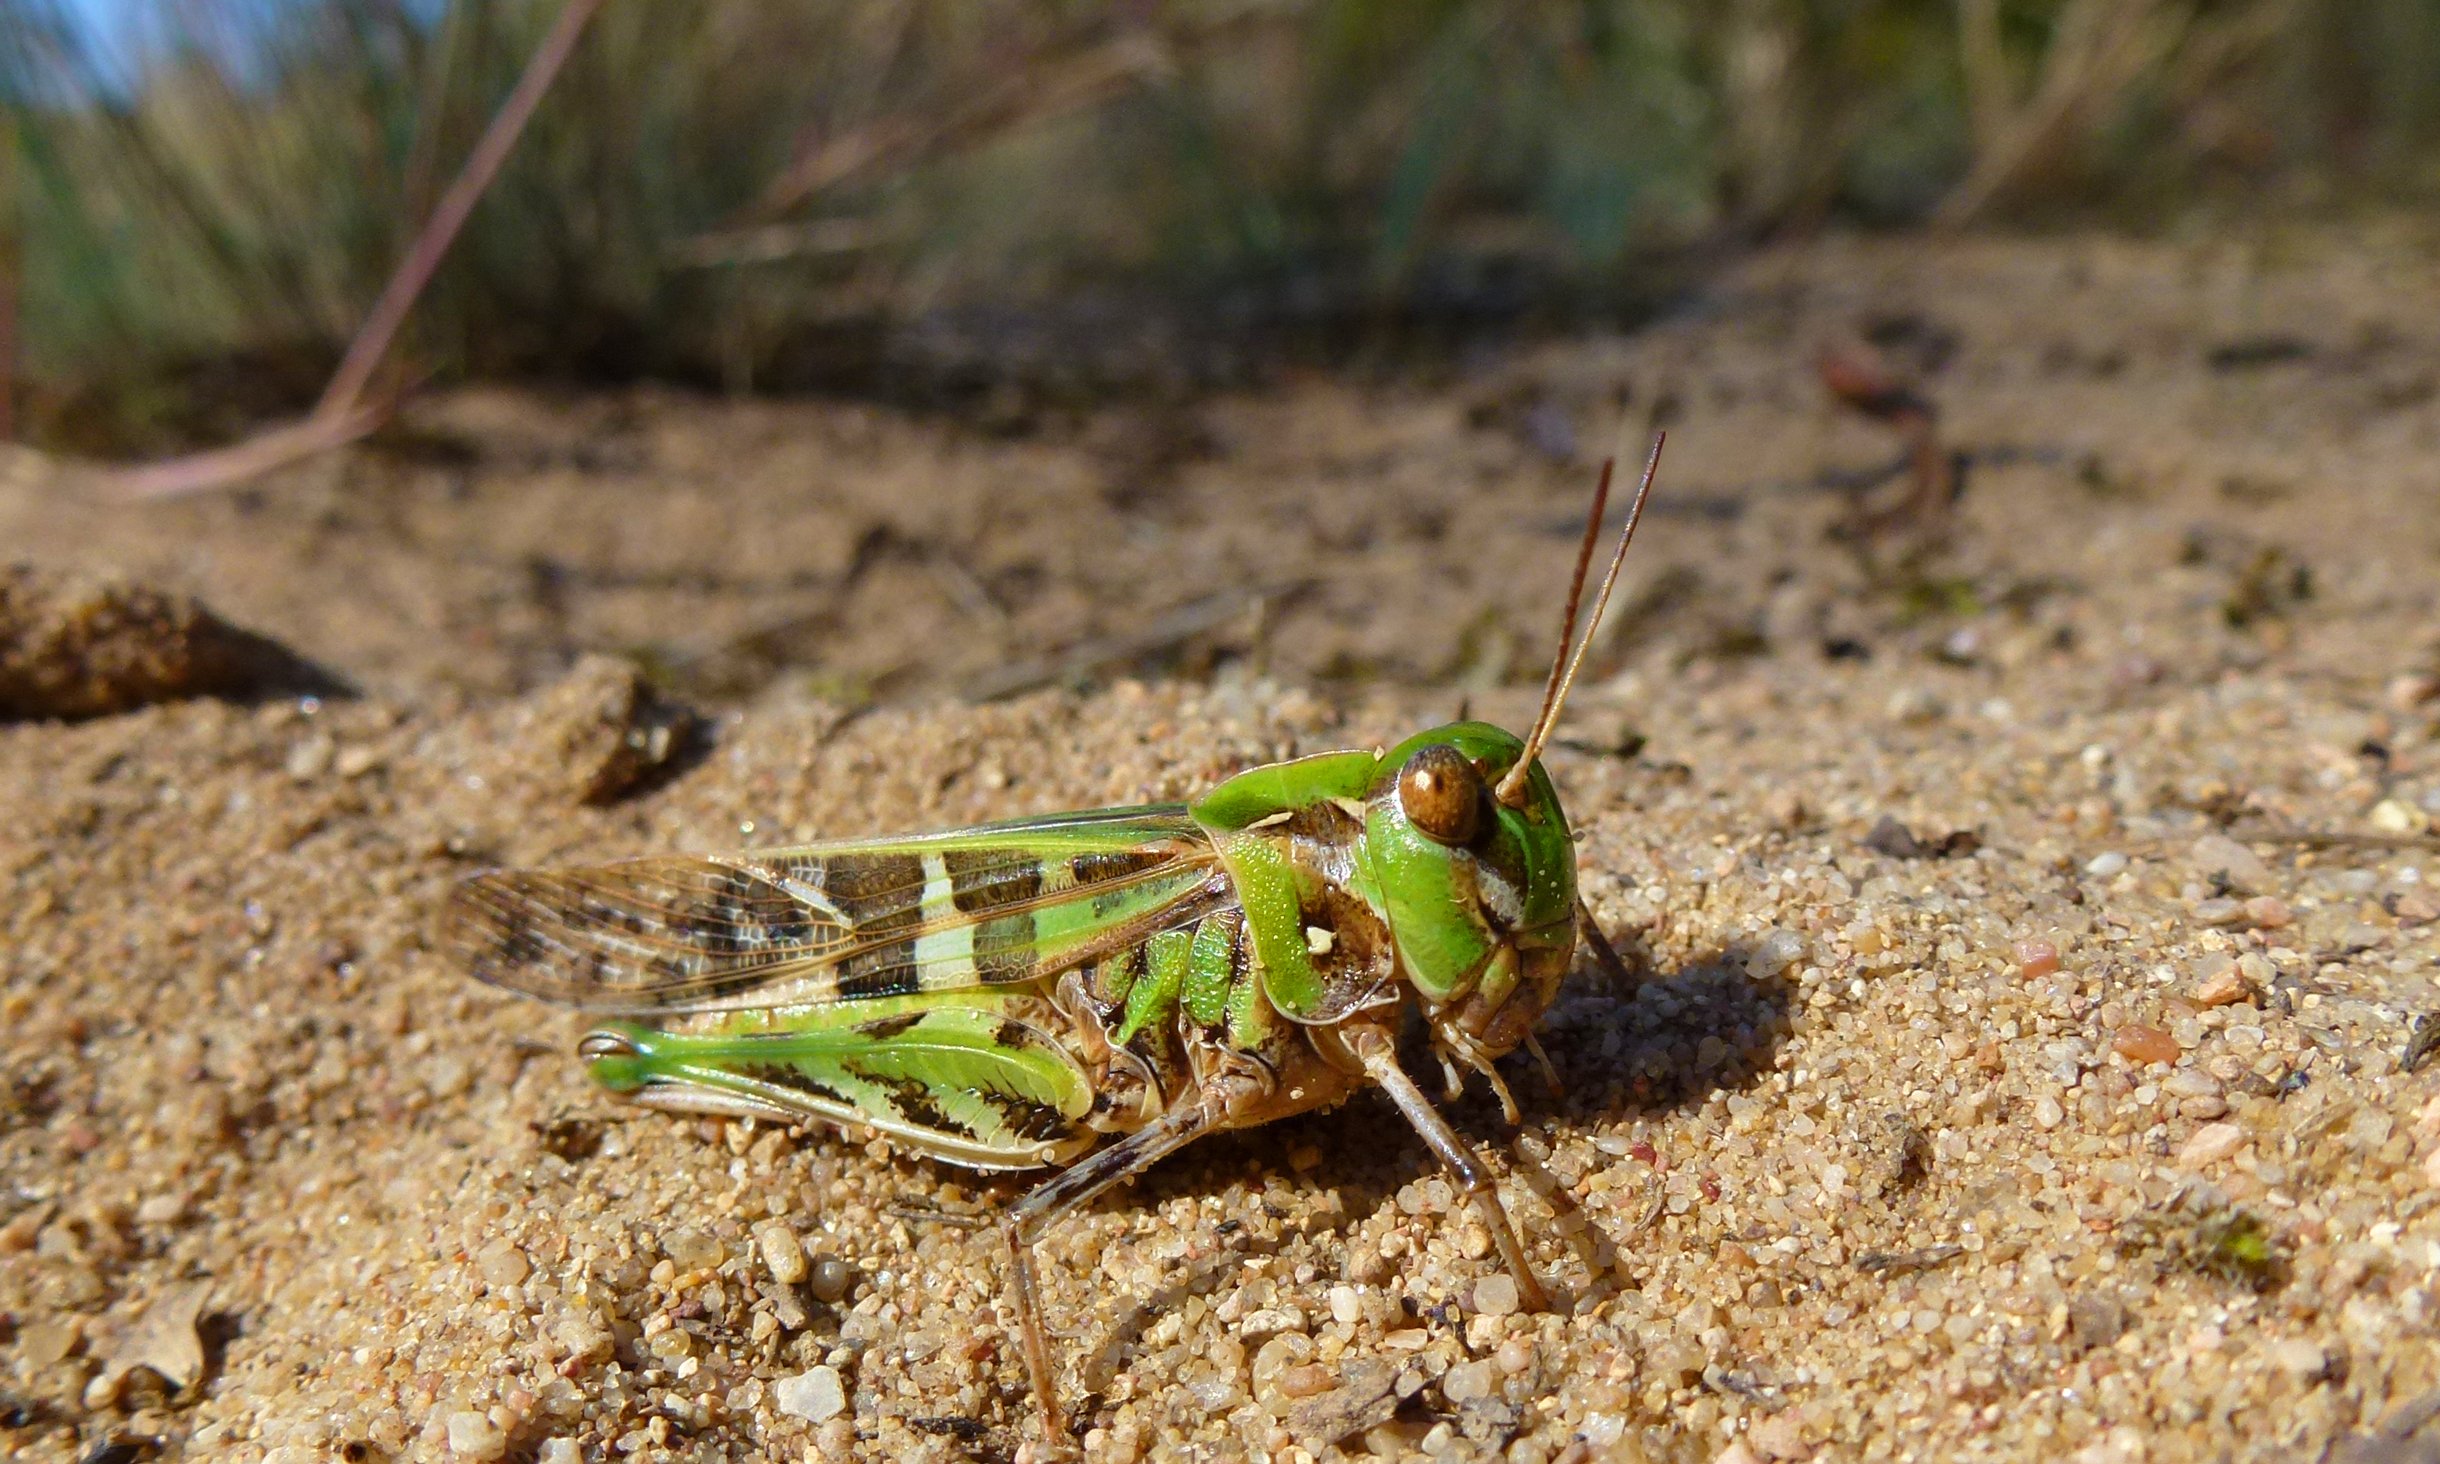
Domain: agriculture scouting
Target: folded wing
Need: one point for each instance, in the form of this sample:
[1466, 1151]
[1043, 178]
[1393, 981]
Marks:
[997, 905]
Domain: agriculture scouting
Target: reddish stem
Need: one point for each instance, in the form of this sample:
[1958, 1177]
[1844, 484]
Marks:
[372, 342]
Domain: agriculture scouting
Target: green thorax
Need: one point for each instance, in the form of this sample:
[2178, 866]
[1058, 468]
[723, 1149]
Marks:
[1343, 892]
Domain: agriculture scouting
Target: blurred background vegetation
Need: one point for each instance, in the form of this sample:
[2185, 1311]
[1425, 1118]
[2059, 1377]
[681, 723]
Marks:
[923, 197]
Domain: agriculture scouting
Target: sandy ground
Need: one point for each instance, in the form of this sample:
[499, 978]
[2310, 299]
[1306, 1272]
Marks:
[1870, 1172]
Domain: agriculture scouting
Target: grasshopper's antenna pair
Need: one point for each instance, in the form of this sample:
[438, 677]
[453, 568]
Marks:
[1511, 789]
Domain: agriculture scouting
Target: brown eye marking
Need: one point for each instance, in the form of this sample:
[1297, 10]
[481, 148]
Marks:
[1441, 794]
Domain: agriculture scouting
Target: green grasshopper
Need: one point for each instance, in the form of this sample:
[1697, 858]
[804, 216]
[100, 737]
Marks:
[1016, 995]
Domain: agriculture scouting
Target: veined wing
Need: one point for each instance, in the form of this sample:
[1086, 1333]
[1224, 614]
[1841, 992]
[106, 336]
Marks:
[993, 905]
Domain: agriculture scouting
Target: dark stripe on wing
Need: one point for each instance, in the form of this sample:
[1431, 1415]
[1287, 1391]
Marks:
[982, 880]
[830, 923]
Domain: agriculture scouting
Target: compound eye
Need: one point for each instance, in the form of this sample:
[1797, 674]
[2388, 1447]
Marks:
[1441, 794]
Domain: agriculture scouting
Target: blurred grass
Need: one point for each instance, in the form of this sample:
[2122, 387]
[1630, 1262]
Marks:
[752, 196]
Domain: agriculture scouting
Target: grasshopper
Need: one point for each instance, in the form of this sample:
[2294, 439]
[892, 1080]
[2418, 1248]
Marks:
[1090, 992]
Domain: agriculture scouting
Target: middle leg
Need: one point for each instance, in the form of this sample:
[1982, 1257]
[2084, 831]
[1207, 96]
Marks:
[1060, 1195]
[1459, 1158]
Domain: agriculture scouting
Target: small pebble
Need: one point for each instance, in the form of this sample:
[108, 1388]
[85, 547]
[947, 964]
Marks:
[1495, 1295]
[2397, 816]
[1307, 1379]
[782, 1256]
[814, 1395]
[830, 1278]
[1774, 953]
[2225, 988]
[2191, 1083]
[2218, 854]
[692, 1249]
[1467, 1381]
[1778, 1436]
[2047, 1113]
[2108, 864]
[473, 1435]
[2298, 1357]
[558, 1451]
[45, 1344]
[2210, 1144]
[1346, 1305]
[2268, 912]
[103, 1390]
[836, 1439]
[2035, 958]
[502, 1264]
[2139, 1044]
[1273, 1362]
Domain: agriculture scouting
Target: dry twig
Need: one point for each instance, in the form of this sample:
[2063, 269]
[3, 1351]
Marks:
[1856, 375]
[2098, 49]
[343, 415]
[1025, 95]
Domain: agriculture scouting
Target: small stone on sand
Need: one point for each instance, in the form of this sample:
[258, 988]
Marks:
[2245, 871]
[2140, 1044]
[2210, 1144]
[781, 1253]
[814, 1395]
[473, 1435]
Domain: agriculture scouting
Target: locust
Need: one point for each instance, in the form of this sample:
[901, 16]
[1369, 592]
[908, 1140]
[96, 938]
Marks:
[1091, 992]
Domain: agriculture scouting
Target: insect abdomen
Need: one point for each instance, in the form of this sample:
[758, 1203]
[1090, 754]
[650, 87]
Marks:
[975, 1082]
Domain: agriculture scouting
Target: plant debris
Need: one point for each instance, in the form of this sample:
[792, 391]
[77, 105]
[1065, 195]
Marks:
[74, 647]
[1896, 840]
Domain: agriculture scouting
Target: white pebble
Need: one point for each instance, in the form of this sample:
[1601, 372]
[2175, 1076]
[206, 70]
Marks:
[814, 1396]
[1346, 1304]
[1467, 1381]
[1496, 1295]
[2211, 1143]
[1774, 953]
[2395, 816]
[781, 1253]
[474, 1436]
[502, 1264]
[2108, 864]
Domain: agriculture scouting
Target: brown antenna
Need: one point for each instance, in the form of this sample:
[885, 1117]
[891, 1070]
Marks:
[1511, 790]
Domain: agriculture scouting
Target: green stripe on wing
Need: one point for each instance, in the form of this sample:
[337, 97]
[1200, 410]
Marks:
[994, 905]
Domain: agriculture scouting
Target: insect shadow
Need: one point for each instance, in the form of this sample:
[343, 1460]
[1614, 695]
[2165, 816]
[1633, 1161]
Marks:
[1663, 1042]
[1673, 1036]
